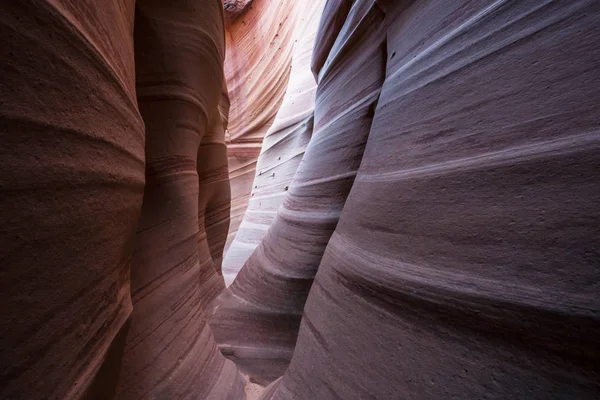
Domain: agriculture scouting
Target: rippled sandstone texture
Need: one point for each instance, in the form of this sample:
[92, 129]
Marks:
[465, 261]
[258, 317]
[170, 351]
[76, 164]
[447, 203]
[257, 67]
[283, 146]
[72, 179]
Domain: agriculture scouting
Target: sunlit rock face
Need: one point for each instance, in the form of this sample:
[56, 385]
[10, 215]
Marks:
[104, 144]
[283, 146]
[465, 261]
[265, 301]
[257, 69]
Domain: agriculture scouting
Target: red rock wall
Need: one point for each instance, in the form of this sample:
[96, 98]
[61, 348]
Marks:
[444, 216]
[71, 187]
[265, 301]
[283, 146]
[257, 68]
[170, 351]
[214, 201]
[465, 262]
[76, 164]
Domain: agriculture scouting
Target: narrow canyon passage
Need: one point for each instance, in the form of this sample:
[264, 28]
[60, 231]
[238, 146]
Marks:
[328, 199]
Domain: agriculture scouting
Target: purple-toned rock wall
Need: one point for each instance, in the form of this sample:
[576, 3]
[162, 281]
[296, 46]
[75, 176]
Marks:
[465, 263]
[433, 221]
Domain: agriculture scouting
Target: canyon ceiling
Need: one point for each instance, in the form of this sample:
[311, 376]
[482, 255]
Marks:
[334, 199]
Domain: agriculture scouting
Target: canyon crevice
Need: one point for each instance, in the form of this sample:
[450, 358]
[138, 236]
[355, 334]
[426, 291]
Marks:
[335, 199]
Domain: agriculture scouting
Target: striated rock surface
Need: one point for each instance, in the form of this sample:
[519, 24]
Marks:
[214, 201]
[257, 67]
[465, 262]
[71, 186]
[74, 160]
[170, 351]
[283, 146]
[258, 317]
[438, 240]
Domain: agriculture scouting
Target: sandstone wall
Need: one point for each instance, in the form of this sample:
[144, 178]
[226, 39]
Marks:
[82, 169]
[283, 146]
[258, 317]
[170, 351]
[465, 261]
[257, 68]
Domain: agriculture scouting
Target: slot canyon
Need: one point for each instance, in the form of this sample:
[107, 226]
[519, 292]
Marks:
[294, 199]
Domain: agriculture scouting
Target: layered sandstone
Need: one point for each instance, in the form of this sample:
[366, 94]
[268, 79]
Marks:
[71, 188]
[258, 317]
[283, 146]
[257, 68]
[465, 262]
[170, 351]
[86, 162]
[433, 220]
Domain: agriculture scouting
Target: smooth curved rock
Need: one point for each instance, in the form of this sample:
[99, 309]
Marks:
[214, 201]
[283, 146]
[258, 317]
[71, 185]
[459, 262]
[170, 351]
[257, 68]
[465, 262]
[72, 180]
[235, 8]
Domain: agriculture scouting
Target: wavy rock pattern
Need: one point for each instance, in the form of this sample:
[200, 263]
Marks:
[444, 215]
[214, 201]
[71, 185]
[465, 262]
[257, 67]
[170, 351]
[283, 146]
[72, 157]
[258, 318]
[235, 8]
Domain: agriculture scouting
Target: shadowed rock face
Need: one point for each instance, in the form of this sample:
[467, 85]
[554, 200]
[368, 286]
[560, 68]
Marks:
[439, 238]
[465, 261]
[170, 351]
[77, 164]
[214, 201]
[71, 187]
